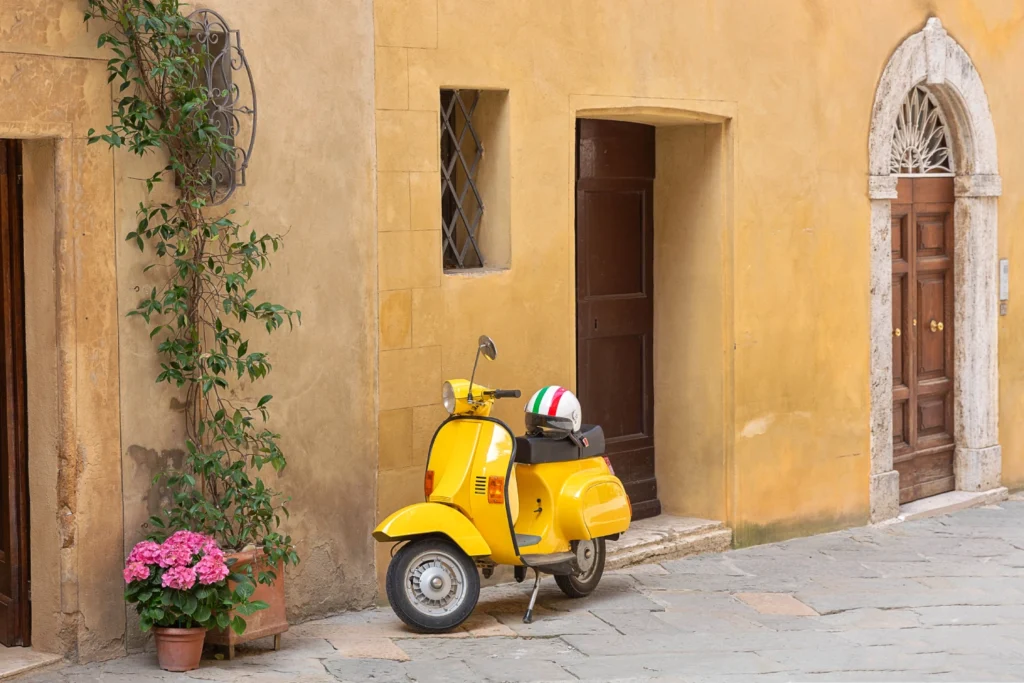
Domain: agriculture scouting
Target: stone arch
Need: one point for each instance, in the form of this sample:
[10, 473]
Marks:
[932, 57]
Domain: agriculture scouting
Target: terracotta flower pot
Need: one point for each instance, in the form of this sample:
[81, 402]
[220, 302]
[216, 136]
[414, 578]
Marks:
[179, 649]
[268, 622]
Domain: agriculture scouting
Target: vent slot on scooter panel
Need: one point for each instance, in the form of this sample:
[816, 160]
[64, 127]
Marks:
[480, 486]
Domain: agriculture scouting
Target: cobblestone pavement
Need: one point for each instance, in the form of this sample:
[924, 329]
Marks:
[937, 599]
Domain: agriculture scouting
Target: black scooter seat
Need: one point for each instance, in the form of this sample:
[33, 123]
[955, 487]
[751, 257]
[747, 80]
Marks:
[538, 450]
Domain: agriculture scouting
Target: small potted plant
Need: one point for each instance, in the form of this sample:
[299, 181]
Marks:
[180, 589]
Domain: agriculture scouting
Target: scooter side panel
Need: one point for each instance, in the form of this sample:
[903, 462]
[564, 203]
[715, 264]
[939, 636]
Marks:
[593, 503]
[538, 492]
[450, 465]
[606, 508]
[492, 458]
[421, 519]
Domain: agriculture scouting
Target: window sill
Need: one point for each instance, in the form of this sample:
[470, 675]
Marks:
[476, 272]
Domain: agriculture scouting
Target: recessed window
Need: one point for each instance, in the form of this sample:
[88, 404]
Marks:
[474, 179]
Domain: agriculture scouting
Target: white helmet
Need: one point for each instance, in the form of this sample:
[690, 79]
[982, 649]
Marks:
[553, 411]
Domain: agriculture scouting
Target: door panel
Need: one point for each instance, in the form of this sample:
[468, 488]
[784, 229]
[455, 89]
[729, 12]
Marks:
[621, 413]
[14, 570]
[615, 262]
[922, 253]
[614, 298]
[931, 351]
[900, 424]
[899, 284]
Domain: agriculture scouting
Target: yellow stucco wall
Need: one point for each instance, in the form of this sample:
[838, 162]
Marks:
[769, 102]
[692, 257]
[800, 79]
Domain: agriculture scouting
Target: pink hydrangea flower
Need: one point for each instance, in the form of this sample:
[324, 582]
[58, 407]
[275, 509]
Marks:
[146, 552]
[179, 578]
[192, 540]
[135, 571]
[211, 549]
[174, 553]
[211, 569]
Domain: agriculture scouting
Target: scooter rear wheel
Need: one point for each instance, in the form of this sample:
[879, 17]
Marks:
[590, 556]
[432, 585]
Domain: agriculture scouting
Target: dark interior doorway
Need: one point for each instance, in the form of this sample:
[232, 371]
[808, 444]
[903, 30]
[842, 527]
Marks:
[14, 553]
[614, 297]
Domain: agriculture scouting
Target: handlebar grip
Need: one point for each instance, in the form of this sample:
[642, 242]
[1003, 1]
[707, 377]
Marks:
[507, 393]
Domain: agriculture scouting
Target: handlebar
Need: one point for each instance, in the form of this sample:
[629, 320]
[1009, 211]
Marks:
[507, 393]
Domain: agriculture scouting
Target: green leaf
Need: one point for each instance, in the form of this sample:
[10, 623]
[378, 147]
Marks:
[263, 401]
[245, 589]
[189, 604]
[202, 614]
[238, 625]
[249, 608]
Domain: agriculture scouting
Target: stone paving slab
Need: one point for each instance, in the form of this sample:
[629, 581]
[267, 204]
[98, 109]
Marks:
[18, 660]
[938, 599]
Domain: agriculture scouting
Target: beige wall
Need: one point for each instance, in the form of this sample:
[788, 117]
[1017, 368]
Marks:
[44, 435]
[310, 179]
[71, 320]
[96, 415]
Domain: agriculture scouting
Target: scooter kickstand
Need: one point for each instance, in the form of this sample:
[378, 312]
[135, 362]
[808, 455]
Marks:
[528, 619]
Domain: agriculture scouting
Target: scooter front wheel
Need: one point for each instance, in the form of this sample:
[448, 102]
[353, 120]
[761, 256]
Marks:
[590, 557]
[432, 585]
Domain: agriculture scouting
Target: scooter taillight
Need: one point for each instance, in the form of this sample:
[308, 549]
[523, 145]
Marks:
[496, 490]
[428, 483]
[608, 462]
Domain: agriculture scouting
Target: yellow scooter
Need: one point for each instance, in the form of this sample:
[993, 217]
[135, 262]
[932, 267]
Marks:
[533, 502]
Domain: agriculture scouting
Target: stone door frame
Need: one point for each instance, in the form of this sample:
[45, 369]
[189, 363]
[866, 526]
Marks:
[932, 57]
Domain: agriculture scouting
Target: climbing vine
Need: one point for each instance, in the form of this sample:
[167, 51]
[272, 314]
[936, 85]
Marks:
[201, 315]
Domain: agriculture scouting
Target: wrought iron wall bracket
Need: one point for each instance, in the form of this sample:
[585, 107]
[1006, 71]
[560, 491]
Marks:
[232, 99]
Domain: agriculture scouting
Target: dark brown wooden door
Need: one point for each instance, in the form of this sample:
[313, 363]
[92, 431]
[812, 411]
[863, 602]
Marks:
[614, 298]
[14, 570]
[922, 349]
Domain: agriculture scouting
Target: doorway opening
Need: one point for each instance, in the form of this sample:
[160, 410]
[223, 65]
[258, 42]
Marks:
[931, 118]
[653, 312]
[15, 619]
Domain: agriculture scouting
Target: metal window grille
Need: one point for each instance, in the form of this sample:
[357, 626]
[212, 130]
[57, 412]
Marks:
[462, 207]
[920, 143]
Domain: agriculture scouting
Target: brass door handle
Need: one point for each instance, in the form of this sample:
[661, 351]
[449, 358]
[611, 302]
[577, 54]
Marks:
[936, 327]
[897, 332]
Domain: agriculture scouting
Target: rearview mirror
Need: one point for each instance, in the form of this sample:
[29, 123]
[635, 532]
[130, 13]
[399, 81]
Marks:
[487, 347]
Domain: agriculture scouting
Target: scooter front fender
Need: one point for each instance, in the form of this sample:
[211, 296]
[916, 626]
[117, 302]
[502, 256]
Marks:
[422, 519]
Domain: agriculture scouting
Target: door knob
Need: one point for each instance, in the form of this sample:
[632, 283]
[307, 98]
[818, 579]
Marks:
[897, 332]
[936, 327]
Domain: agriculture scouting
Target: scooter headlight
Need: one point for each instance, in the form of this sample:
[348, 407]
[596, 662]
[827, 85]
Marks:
[448, 397]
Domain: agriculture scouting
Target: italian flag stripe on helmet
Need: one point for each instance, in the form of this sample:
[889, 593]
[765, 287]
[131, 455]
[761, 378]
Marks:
[546, 401]
[554, 401]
